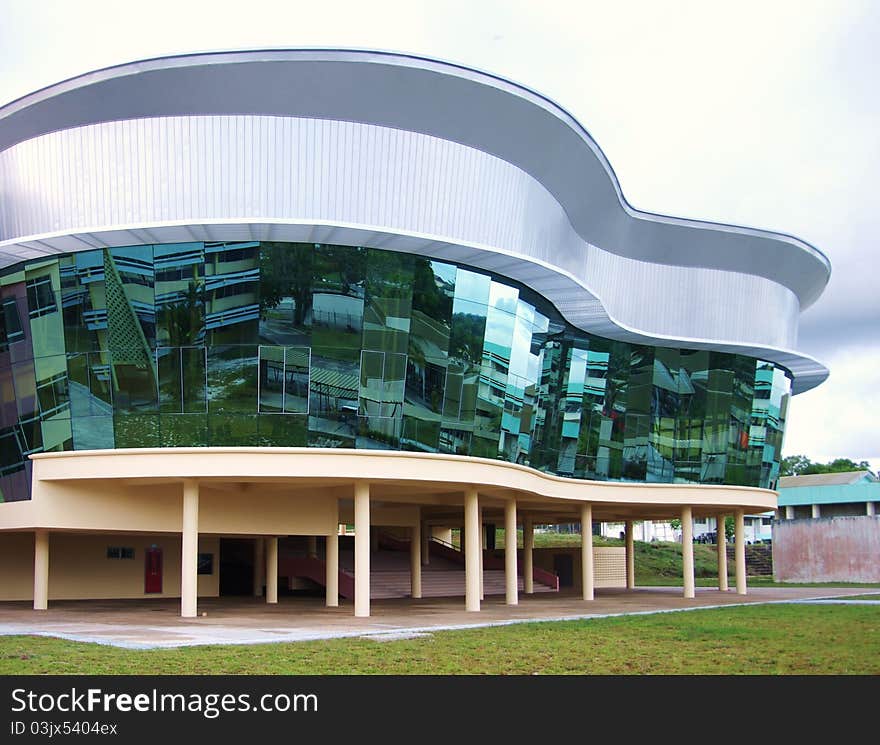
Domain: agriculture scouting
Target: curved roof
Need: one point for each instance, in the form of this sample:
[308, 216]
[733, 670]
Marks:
[438, 99]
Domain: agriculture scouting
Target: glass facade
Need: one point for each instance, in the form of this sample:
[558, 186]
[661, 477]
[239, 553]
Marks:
[286, 344]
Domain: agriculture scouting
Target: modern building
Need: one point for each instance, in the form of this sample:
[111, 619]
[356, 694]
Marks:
[828, 529]
[249, 297]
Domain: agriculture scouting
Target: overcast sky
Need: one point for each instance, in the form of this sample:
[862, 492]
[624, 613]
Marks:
[762, 113]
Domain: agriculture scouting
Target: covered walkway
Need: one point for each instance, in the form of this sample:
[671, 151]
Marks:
[147, 624]
[261, 494]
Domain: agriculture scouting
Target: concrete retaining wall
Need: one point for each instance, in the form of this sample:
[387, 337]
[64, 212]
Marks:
[835, 549]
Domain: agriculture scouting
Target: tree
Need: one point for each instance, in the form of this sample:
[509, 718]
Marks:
[794, 465]
[801, 465]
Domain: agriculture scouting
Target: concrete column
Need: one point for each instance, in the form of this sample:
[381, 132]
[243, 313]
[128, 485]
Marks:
[259, 555]
[817, 511]
[189, 557]
[630, 556]
[362, 549]
[687, 550]
[587, 550]
[870, 509]
[740, 552]
[41, 569]
[331, 563]
[528, 558]
[426, 546]
[415, 561]
[510, 575]
[721, 540]
[312, 546]
[789, 512]
[272, 569]
[472, 550]
[482, 551]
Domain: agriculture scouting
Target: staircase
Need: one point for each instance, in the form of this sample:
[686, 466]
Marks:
[390, 572]
[759, 559]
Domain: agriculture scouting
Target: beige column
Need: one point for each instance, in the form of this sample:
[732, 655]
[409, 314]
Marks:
[426, 547]
[870, 509]
[587, 550]
[740, 552]
[272, 569]
[630, 556]
[482, 550]
[721, 541]
[415, 561]
[510, 574]
[687, 550]
[41, 569]
[817, 511]
[362, 549]
[789, 512]
[528, 558]
[472, 550]
[189, 556]
[331, 565]
[312, 546]
[259, 555]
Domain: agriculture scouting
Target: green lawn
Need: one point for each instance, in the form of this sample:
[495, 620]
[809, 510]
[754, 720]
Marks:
[768, 639]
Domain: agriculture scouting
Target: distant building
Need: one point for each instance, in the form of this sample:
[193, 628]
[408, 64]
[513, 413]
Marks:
[828, 495]
[828, 529]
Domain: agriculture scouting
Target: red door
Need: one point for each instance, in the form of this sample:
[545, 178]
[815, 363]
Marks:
[153, 570]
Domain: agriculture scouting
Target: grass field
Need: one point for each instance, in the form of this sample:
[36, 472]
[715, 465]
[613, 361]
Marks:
[768, 639]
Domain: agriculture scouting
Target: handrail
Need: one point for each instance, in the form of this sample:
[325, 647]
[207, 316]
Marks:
[449, 551]
[314, 569]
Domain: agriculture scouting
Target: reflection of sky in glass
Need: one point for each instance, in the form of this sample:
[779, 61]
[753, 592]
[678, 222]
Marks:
[471, 293]
[520, 352]
[499, 322]
[446, 272]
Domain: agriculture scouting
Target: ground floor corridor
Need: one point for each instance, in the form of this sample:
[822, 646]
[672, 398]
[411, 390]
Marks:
[156, 623]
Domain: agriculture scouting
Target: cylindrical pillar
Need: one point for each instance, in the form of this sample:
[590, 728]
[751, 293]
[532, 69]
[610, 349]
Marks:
[740, 552]
[362, 549]
[189, 554]
[687, 550]
[259, 557]
[721, 540]
[817, 512]
[272, 569]
[41, 569]
[789, 512]
[426, 547]
[472, 550]
[415, 561]
[312, 546]
[482, 550]
[528, 563]
[630, 556]
[331, 564]
[870, 509]
[587, 550]
[510, 575]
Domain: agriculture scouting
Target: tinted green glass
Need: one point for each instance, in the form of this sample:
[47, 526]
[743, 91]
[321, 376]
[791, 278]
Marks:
[232, 379]
[284, 344]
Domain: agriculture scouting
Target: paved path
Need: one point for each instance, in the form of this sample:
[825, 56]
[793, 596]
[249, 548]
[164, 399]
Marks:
[155, 623]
